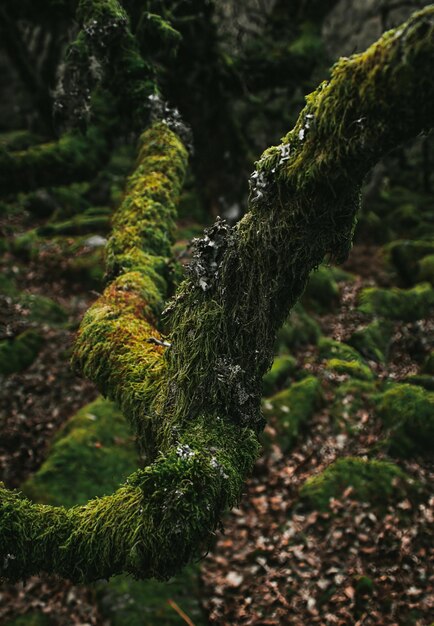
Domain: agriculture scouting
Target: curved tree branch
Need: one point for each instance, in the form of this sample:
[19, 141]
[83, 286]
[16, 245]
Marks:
[205, 411]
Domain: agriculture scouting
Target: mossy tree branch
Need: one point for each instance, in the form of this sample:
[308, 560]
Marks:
[304, 200]
[166, 512]
[204, 410]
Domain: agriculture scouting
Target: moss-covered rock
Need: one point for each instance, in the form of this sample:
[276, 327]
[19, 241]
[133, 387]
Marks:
[89, 457]
[300, 329]
[404, 256]
[407, 412]
[426, 268]
[376, 482]
[290, 409]
[322, 291]
[331, 349]
[87, 268]
[355, 369]
[373, 340]
[279, 374]
[422, 380]
[407, 305]
[42, 309]
[18, 353]
[340, 275]
[428, 366]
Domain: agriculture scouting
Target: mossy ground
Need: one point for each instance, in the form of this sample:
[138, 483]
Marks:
[398, 304]
[407, 412]
[90, 456]
[322, 290]
[289, 411]
[376, 482]
[282, 368]
[18, 353]
[373, 341]
[300, 329]
[354, 369]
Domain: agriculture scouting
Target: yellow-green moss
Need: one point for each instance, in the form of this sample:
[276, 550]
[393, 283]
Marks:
[426, 268]
[117, 345]
[291, 409]
[331, 349]
[355, 369]
[376, 482]
[19, 352]
[407, 412]
[407, 305]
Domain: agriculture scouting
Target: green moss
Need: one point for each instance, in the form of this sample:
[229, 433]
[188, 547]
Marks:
[90, 456]
[404, 257]
[113, 346]
[84, 223]
[354, 369]
[398, 304]
[281, 370]
[373, 340]
[331, 349]
[162, 517]
[87, 269]
[407, 412]
[300, 329]
[428, 366]
[426, 268]
[422, 380]
[376, 482]
[292, 408]
[322, 291]
[340, 275]
[18, 353]
[42, 309]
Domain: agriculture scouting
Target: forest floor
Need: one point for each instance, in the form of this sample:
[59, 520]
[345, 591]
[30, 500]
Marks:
[351, 550]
